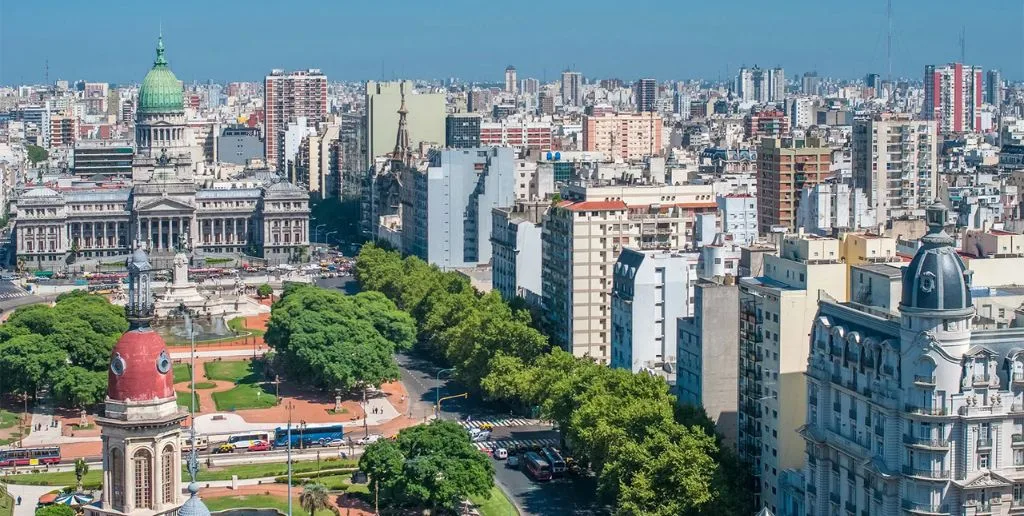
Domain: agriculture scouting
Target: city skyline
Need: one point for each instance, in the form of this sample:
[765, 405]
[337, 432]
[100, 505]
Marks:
[112, 45]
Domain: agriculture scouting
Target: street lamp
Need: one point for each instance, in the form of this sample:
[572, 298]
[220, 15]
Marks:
[316, 231]
[327, 237]
[437, 391]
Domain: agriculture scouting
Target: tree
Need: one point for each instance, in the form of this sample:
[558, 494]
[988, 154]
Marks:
[79, 387]
[264, 291]
[433, 466]
[37, 154]
[55, 510]
[81, 469]
[27, 361]
[314, 497]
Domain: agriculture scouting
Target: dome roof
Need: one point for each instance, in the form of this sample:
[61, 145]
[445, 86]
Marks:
[140, 368]
[193, 506]
[161, 91]
[936, 278]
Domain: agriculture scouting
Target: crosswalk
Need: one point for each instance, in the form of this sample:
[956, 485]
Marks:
[499, 422]
[11, 294]
[514, 443]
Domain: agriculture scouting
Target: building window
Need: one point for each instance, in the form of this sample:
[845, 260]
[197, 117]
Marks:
[983, 461]
[167, 473]
[143, 469]
[117, 478]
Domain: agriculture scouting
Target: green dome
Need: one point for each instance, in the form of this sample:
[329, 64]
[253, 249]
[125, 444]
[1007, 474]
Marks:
[161, 91]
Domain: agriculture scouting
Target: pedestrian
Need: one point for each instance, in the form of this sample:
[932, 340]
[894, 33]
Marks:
[18, 500]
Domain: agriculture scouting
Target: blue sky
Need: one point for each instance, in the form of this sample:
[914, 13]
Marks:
[370, 39]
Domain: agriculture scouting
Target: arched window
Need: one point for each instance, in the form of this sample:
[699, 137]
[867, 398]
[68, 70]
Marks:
[116, 477]
[167, 473]
[143, 469]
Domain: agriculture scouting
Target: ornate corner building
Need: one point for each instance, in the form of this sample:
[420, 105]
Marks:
[165, 203]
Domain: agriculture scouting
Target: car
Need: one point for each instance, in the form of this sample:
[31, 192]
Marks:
[512, 462]
[500, 454]
[480, 437]
[224, 448]
[370, 439]
[259, 446]
[335, 443]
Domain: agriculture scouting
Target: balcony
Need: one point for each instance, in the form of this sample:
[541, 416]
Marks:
[1017, 440]
[834, 498]
[926, 411]
[924, 381]
[926, 442]
[981, 380]
[1018, 377]
[985, 442]
[982, 507]
[852, 413]
[926, 509]
[880, 430]
[925, 473]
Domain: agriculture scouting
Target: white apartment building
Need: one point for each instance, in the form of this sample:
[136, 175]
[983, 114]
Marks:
[516, 251]
[776, 312]
[895, 163]
[918, 410]
[833, 205]
[583, 236]
[739, 216]
[650, 290]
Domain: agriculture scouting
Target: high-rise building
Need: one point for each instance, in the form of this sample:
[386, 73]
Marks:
[646, 91]
[425, 118]
[810, 84]
[63, 130]
[572, 83]
[952, 97]
[994, 88]
[546, 103]
[447, 207]
[707, 373]
[650, 291]
[770, 123]
[238, 144]
[289, 96]
[831, 206]
[759, 85]
[873, 80]
[105, 158]
[583, 237]
[516, 251]
[801, 112]
[511, 83]
[894, 161]
[531, 86]
[776, 84]
[462, 131]
[630, 136]
[739, 217]
[784, 167]
[776, 312]
[517, 133]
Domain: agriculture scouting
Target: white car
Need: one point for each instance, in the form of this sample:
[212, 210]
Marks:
[500, 454]
[479, 437]
[370, 439]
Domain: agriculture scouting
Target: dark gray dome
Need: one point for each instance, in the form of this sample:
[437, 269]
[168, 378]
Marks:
[193, 506]
[936, 278]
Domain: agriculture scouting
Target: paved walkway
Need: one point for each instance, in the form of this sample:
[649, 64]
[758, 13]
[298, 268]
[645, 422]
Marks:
[29, 495]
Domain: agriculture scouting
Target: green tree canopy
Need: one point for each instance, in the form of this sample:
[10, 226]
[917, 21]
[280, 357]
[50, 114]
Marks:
[55, 510]
[264, 291]
[37, 154]
[429, 466]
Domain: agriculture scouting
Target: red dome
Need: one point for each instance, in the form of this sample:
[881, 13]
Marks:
[140, 368]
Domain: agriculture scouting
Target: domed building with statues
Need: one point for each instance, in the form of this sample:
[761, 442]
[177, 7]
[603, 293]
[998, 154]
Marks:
[258, 214]
[141, 423]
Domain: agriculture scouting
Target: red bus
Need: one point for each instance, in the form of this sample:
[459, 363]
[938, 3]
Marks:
[29, 457]
[537, 467]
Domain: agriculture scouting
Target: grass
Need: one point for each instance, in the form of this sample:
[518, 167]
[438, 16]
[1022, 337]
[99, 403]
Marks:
[205, 385]
[218, 261]
[244, 396]
[8, 418]
[13, 438]
[238, 325]
[497, 505]
[234, 371]
[182, 372]
[95, 477]
[260, 502]
[184, 401]
[62, 478]
[6, 504]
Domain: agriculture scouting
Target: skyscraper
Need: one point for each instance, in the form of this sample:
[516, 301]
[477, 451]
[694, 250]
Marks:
[784, 167]
[811, 84]
[511, 84]
[571, 82]
[994, 88]
[288, 97]
[761, 85]
[901, 181]
[776, 85]
[646, 95]
[531, 86]
[873, 80]
[952, 97]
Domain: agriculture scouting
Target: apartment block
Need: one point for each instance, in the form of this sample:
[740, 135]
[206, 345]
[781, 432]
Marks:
[770, 123]
[895, 163]
[833, 206]
[953, 97]
[739, 217]
[106, 158]
[287, 97]
[517, 133]
[784, 167]
[776, 314]
[572, 92]
[629, 136]
[462, 130]
[425, 118]
[516, 235]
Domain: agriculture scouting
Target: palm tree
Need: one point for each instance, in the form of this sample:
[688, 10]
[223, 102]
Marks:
[313, 498]
[81, 469]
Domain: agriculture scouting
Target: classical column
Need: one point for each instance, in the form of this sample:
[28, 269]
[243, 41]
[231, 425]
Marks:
[117, 234]
[160, 233]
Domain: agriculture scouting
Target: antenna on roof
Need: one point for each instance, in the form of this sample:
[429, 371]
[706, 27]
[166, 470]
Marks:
[963, 44]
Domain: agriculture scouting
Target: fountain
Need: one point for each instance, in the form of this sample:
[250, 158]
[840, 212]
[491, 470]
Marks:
[181, 291]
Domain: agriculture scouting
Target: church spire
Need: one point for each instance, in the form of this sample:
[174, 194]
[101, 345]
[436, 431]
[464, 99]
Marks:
[402, 151]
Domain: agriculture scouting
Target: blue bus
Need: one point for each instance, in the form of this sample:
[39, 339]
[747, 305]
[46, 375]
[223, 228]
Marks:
[310, 435]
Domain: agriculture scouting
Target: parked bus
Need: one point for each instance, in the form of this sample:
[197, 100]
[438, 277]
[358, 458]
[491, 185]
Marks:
[536, 467]
[320, 435]
[29, 457]
[244, 441]
[555, 460]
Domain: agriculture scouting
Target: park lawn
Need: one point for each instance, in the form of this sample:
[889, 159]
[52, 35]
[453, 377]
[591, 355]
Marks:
[497, 505]
[184, 402]
[6, 504]
[244, 396]
[219, 261]
[238, 325]
[280, 503]
[8, 418]
[233, 371]
[268, 470]
[205, 385]
[59, 478]
[182, 373]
